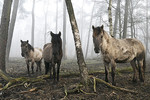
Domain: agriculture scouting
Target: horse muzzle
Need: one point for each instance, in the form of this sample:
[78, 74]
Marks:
[96, 50]
[22, 54]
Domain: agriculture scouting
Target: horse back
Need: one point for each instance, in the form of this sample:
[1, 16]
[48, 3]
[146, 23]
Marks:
[36, 54]
[47, 52]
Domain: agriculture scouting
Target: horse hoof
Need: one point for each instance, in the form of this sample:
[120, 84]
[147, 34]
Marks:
[114, 83]
[134, 80]
[142, 80]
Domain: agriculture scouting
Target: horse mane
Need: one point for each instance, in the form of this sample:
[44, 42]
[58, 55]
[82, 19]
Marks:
[30, 47]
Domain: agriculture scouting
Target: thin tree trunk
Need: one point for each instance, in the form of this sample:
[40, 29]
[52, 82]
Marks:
[120, 25]
[56, 15]
[110, 18]
[87, 47]
[147, 28]
[125, 19]
[11, 28]
[46, 11]
[116, 18]
[33, 24]
[5, 18]
[131, 18]
[64, 30]
[80, 58]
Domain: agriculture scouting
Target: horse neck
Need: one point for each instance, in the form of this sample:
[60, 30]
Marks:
[31, 49]
[105, 41]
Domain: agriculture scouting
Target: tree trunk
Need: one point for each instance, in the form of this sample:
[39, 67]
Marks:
[64, 30]
[116, 18]
[110, 18]
[125, 19]
[131, 19]
[87, 47]
[120, 25]
[56, 15]
[80, 58]
[147, 28]
[5, 18]
[11, 28]
[33, 23]
[46, 11]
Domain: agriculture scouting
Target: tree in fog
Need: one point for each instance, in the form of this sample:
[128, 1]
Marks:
[125, 19]
[11, 27]
[88, 40]
[45, 13]
[110, 18]
[147, 32]
[5, 18]
[64, 30]
[56, 16]
[33, 23]
[79, 53]
[116, 18]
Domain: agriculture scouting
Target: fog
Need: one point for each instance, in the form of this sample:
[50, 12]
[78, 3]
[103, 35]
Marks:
[83, 13]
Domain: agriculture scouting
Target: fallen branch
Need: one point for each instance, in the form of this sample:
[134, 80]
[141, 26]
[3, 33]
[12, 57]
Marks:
[112, 86]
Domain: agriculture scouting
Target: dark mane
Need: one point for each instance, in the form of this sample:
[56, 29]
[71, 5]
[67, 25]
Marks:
[30, 47]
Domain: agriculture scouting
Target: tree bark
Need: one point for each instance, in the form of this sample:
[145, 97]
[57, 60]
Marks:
[79, 53]
[125, 19]
[5, 18]
[110, 18]
[64, 30]
[11, 28]
[33, 24]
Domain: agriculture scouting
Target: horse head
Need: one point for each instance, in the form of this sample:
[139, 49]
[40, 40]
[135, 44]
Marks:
[24, 47]
[97, 37]
[56, 43]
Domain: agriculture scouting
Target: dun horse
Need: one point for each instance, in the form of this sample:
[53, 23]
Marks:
[119, 51]
[31, 55]
[52, 54]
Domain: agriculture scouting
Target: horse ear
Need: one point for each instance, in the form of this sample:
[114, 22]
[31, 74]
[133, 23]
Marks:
[51, 33]
[93, 27]
[27, 41]
[102, 27]
[59, 33]
[21, 41]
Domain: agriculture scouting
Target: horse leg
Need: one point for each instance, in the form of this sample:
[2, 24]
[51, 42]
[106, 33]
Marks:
[141, 71]
[133, 64]
[32, 66]
[27, 62]
[58, 67]
[106, 71]
[50, 69]
[54, 73]
[46, 67]
[40, 65]
[37, 64]
[113, 66]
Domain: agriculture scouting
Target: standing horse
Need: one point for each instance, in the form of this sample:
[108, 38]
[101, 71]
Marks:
[31, 55]
[52, 54]
[119, 51]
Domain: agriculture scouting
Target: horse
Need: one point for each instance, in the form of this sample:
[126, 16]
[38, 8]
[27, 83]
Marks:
[52, 54]
[33, 55]
[119, 51]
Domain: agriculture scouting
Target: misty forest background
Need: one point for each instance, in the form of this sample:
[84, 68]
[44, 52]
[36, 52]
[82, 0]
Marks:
[33, 20]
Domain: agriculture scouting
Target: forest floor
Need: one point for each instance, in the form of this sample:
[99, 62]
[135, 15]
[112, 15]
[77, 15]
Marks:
[46, 90]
